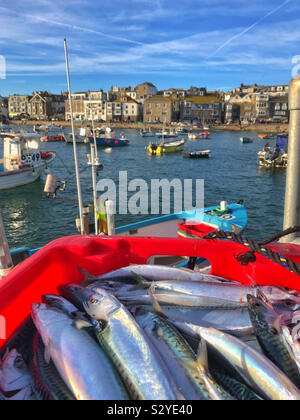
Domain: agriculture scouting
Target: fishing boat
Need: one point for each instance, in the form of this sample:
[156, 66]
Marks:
[275, 157]
[48, 128]
[167, 135]
[231, 217]
[246, 140]
[266, 136]
[108, 142]
[203, 136]
[57, 138]
[23, 162]
[162, 148]
[147, 133]
[109, 139]
[199, 154]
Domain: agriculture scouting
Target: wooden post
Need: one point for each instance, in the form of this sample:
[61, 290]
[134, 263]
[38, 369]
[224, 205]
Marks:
[6, 263]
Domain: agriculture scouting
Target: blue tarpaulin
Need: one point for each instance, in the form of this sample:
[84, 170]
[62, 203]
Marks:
[282, 142]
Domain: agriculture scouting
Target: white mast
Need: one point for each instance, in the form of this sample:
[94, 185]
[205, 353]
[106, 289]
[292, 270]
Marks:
[74, 145]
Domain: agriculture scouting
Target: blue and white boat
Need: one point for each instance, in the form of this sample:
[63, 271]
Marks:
[232, 219]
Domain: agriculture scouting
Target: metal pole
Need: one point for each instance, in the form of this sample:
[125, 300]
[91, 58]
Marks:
[110, 217]
[94, 187]
[292, 192]
[93, 126]
[74, 145]
[6, 263]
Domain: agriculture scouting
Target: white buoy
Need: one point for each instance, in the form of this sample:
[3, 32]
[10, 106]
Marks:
[223, 205]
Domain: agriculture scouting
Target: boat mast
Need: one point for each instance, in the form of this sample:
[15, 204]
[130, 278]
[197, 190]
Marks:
[292, 193]
[80, 204]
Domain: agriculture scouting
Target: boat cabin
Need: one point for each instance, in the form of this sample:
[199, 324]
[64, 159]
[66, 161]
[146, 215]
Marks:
[19, 151]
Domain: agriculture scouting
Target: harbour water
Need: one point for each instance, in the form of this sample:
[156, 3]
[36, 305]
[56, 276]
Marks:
[231, 174]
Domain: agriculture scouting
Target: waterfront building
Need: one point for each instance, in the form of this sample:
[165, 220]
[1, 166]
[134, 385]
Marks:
[44, 105]
[279, 109]
[204, 109]
[162, 109]
[123, 109]
[144, 91]
[18, 105]
[78, 99]
[95, 106]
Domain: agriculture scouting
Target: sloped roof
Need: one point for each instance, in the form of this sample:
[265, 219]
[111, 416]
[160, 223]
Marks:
[202, 99]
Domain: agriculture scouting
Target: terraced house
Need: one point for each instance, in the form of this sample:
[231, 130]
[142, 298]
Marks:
[162, 109]
[18, 105]
[44, 105]
[204, 109]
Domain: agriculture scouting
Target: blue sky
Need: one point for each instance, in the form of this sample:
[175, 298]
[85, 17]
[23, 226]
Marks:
[172, 43]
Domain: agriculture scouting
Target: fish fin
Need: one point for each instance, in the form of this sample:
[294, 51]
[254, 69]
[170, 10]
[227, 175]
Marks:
[156, 306]
[261, 295]
[47, 355]
[202, 358]
[277, 324]
[87, 277]
[80, 324]
[142, 282]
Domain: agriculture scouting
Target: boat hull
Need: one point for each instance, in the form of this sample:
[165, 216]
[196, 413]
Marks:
[109, 142]
[21, 177]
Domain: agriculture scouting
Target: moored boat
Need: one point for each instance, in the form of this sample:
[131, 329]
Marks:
[170, 147]
[198, 154]
[246, 140]
[275, 157]
[22, 162]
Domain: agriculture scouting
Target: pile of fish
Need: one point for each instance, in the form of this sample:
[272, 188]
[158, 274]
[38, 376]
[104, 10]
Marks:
[160, 333]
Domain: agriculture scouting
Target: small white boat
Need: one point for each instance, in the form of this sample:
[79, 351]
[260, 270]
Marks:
[23, 162]
[246, 140]
[69, 138]
[49, 128]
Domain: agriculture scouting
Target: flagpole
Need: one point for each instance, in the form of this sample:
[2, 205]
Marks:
[80, 204]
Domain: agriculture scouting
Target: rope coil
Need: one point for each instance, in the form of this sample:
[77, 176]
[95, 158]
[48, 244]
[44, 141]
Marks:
[259, 247]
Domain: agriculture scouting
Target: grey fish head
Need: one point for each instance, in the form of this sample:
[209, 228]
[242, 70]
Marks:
[59, 302]
[101, 305]
[44, 315]
[262, 312]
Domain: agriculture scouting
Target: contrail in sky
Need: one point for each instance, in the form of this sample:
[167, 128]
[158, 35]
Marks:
[249, 28]
[74, 27]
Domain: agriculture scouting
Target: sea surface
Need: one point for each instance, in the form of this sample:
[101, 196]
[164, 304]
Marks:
[231, 174]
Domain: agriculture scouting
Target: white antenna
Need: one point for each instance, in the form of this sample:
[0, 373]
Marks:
[74, 145]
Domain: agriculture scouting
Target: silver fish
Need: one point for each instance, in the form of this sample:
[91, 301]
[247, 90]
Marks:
[138, 362]
[257, 371]
[190, 374]
[81, 363]
[236, 322]
[155, 273]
